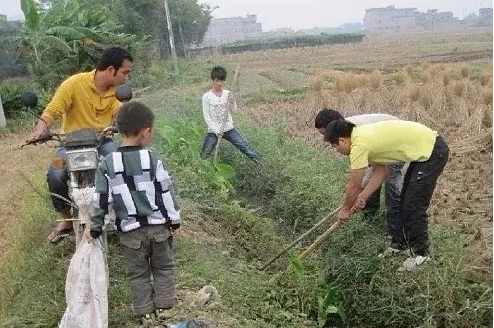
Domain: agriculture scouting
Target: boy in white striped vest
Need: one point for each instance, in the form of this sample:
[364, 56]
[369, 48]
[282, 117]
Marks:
[134, 179]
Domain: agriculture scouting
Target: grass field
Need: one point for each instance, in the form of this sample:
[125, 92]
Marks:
[235, 219]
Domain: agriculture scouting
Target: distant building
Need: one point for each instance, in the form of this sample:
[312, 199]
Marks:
[224, 30]
[434, 20]
[485, 15]
[3, 18]
[392, 20]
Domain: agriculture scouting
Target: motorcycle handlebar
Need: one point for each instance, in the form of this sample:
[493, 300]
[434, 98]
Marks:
[58, 137]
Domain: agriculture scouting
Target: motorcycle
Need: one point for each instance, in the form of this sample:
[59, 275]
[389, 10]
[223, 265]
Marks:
[81, 162]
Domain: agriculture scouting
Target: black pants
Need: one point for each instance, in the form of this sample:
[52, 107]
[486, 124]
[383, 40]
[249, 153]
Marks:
[418, 187]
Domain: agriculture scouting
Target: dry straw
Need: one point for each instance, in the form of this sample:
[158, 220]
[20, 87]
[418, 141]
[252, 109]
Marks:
[477, 122]
[485, 78]
[414, 93]
[374, 79]
[400, 78]
[459, 88]
[487, 96]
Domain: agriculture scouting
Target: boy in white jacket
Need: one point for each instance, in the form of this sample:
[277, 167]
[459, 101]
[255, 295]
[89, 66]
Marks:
[215, 108]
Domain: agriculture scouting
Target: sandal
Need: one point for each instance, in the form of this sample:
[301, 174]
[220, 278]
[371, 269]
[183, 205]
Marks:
[57, 235]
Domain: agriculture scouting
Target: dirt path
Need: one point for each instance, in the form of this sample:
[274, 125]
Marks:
[31, 161]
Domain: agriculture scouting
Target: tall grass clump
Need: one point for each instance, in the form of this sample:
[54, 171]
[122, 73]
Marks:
[485, 78]
[400, 78]
[414, 93]
[487, 96]
[375, 79]
[465, 72]
[459, 88]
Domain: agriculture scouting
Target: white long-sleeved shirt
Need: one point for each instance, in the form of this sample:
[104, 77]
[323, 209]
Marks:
[214, 109]
[370, 118]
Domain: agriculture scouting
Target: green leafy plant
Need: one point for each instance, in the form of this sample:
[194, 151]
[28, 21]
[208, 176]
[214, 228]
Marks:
[66, 38]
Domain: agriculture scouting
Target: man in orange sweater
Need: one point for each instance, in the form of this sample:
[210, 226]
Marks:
[83, 101]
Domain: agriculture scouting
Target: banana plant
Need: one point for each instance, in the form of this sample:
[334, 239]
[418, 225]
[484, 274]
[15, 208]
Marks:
[65, 38]
[35, 40]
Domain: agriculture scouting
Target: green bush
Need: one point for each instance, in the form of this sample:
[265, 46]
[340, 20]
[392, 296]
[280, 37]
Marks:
[289, 42]
[11, 99]
[11, 92]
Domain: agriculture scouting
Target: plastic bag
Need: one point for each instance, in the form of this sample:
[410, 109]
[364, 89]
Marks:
[86, 287]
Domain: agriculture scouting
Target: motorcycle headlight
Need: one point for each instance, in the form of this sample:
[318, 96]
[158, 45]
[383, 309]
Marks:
[82, 159]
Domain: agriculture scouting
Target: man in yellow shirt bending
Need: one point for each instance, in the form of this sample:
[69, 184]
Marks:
[389, 142]
[83, 101]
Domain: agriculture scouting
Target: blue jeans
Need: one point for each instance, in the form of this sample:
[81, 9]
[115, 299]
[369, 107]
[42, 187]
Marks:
[234, 138]
[58, 178]
[392, 191]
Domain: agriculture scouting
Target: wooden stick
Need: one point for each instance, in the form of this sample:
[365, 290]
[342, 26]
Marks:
[286, 249]
[219, 136]
[320, 239]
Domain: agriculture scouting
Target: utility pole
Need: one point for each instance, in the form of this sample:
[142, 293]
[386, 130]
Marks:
[172, 40]
[182, 37]
[2, 116]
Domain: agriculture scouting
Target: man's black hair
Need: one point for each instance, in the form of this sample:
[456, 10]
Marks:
[326, 116]
[338, 129]
[133, 117]
[113, 57]
[219, 73]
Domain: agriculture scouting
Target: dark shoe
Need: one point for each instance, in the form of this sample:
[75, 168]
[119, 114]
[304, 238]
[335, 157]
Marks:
[370, 215]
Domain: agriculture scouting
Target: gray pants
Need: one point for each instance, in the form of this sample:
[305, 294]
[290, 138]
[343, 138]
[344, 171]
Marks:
[392, 191]
[148, 252]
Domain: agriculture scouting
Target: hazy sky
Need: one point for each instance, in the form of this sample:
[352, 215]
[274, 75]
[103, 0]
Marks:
[306, 13]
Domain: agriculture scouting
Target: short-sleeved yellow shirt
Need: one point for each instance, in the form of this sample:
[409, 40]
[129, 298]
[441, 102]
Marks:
[390, 142]
[80, 106]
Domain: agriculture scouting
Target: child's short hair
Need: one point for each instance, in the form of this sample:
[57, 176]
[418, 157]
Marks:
[219, 73]
[326, 116]
[133, 117]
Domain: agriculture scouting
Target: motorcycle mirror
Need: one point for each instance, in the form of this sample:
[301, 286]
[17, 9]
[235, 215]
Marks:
[123, 93]
[29, 99]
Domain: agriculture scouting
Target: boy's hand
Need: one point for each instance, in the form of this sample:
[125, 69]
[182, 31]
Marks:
[175, 227]
[94, 234]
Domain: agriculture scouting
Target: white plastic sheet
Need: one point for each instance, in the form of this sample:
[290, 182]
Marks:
[86, 287]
